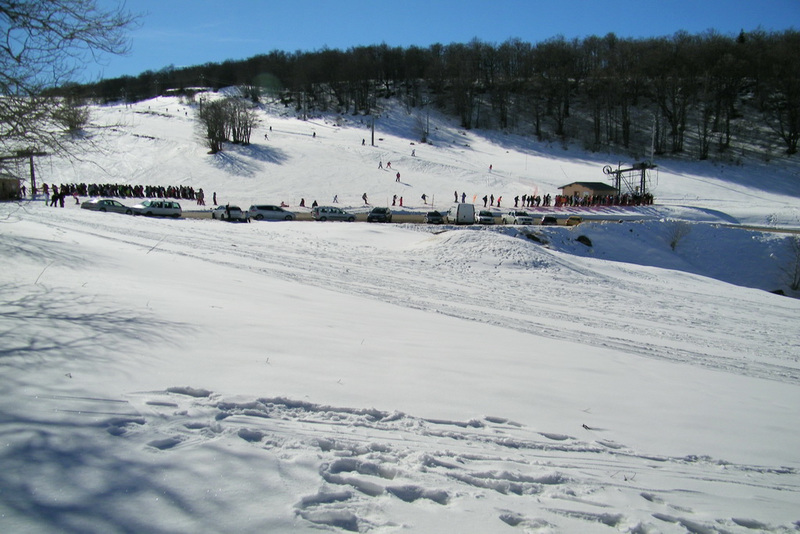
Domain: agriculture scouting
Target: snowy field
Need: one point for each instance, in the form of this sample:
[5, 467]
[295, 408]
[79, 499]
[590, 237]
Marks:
[189, 375]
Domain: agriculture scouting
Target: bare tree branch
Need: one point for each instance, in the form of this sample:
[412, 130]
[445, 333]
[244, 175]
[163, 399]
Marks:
[44, 44]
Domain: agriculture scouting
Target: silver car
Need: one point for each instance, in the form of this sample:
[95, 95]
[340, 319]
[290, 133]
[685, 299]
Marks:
[269, 212]
[517, 217]
[229, 212]
[328, 213]
[106, 204]
[484, 217]
[164, 208]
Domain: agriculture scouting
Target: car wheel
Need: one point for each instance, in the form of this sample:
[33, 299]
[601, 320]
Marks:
[102, 209]
[323, 219]
[149, 214]
[288, 218]
[351, 219]
[259, 217]
[128, 212]
[176, 215]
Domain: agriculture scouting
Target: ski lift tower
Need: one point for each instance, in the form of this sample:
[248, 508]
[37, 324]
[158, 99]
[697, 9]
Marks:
[633, 180]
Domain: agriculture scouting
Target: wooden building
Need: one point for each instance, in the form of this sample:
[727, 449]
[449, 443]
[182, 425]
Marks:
[9, 187]
[583, 189]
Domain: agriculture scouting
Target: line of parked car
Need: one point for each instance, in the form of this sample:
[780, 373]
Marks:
[458, 214]
[170, 208]
[465, 214]
[161, 208]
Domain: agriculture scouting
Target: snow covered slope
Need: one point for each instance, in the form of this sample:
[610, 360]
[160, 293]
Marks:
[197, 376]
[158, 142]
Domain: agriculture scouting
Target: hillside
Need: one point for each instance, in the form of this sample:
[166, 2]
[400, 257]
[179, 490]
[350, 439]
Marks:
[158, 142]
[189, 375]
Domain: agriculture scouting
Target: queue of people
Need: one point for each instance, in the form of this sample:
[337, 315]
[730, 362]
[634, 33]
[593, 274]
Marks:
[626, 199]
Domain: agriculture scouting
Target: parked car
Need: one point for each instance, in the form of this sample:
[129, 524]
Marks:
[164, 208]
[434, 217]
[107, 204]
[549, 220]
[229, 213]
[573, 220]
[329, 213]
[380, 215]
[461, 214]
[269, 212]
[484, 217]
[517, 217]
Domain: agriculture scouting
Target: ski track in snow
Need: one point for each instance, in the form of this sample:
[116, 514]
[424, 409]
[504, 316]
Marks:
[633, 313]
[366, 462]
[366, 457]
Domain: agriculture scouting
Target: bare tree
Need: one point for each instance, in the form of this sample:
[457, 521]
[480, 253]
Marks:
[226, 119]
[45, 44]
[213, 118]
[676, 232]
[72, 113]
[242, 118]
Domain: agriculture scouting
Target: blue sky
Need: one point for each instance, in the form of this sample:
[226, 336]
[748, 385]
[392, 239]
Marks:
[192, 32]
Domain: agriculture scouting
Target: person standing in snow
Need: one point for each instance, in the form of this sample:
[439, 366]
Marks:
[335, 199]
[394, 200]
[485, 199]
[425, 199]
[380, 165]
[398, 177]
[215, 198]
[455, 196]
[364, 197]
[463, 197]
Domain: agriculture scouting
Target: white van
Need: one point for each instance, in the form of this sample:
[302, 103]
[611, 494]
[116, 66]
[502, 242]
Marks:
[461, 214]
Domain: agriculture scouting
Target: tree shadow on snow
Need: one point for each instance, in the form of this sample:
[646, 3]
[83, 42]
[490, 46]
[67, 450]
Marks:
[248, 160]
[63, 470]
